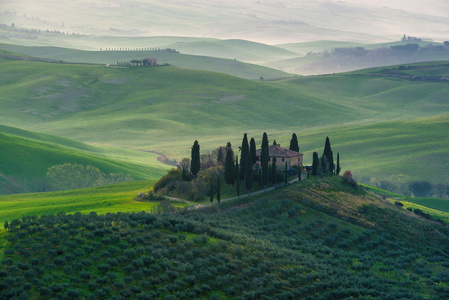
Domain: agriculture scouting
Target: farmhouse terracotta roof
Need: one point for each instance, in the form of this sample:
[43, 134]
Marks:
[278, 151]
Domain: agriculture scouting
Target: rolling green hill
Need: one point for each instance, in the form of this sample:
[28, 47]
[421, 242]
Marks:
[326, 57]
[103, 199]
[208, 63]
[417, 148]
[316, 239]
[26, 156]
[165, 109]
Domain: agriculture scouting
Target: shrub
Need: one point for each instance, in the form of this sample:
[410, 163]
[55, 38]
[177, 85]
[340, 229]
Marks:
[347, 178]
[421, 188]
[172, 175]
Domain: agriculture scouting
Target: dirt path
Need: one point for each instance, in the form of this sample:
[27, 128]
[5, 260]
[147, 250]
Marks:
[198, 205]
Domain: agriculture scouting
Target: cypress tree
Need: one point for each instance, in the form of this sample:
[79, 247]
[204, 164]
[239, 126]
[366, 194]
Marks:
[299, 174]
[220, 155]
[195, 160]
[249, 173]
[270, 173]
[229, 168]
[211, 193]
[237, 184]
[252, 149]
[218, 189]
[244, 153]
[328, 154]
[294, 143]
[264, 159]
[315, 164]
[286, 174]
[337, 171]
[260, 178]
[274, 173]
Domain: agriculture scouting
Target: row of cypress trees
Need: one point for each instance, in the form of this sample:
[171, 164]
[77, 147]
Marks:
[325, 165]
[243, 169]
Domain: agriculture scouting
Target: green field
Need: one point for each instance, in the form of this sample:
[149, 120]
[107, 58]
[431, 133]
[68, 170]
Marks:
[228, 65]
[378, 122]
[27, 156]
[112, 198]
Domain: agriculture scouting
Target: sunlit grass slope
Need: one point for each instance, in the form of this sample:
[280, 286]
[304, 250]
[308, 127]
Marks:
[165, 109]
[436, 207]
[111, 198]
[26, 156]
[417, 148]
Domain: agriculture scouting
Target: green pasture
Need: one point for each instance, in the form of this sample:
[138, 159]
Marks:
[111, 198]
[417, 148]
[227, 65]
[31, 158]
[381, 125]
[437, 208]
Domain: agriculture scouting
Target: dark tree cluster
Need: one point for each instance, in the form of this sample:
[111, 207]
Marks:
[325, 165]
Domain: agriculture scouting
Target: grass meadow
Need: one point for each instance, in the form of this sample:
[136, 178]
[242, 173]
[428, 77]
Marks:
[230, 64]
[111, 198]
[381, 125]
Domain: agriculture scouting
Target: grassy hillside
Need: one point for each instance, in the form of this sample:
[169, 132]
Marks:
[341, 57]
[208, 63]
[165, 109]
[27, 156]
[317, 239]
[384, 149]
[103, 199]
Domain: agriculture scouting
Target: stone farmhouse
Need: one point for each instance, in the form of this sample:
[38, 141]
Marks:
[149, 61]
[282, 155]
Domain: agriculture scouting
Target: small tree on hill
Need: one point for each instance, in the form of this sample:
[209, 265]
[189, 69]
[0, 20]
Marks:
[327, 153]
[286, 174]
[249, 173]
[338, 169]
[229, 168]
[252, 149]
[270, 173]
[211, 193]
[244, 153]
[347, 178]
[264, 159]
[218, 189]
[274, 174]
[421, 188]
[315, 164]
[237, 179]
[195, 160]
[294, 143]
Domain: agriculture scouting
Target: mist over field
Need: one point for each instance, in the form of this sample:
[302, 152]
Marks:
[266, 21]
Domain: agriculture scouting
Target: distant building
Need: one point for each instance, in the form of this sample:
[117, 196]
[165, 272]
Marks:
[282, 155]
[149, 61]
